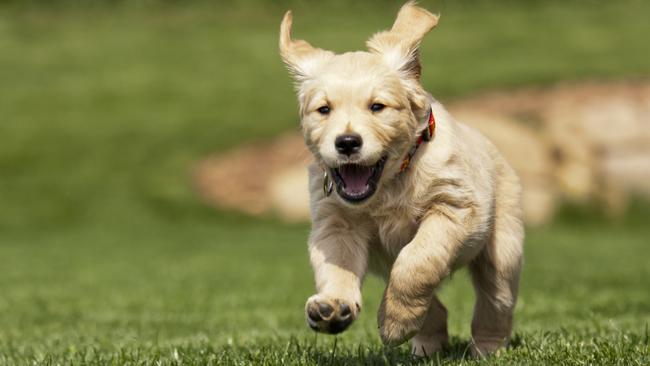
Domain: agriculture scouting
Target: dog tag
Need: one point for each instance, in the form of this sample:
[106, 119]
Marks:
[328, 185]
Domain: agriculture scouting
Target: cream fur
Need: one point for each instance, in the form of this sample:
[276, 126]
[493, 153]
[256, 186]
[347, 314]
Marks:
[458, 204]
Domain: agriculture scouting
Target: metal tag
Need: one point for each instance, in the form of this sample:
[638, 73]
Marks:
[328, 185]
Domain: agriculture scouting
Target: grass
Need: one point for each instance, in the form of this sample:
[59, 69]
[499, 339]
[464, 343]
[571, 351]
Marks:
[178, 294]
[108, 258]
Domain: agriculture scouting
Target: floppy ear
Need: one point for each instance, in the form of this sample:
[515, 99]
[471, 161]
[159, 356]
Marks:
[400, 46]
[300, 57]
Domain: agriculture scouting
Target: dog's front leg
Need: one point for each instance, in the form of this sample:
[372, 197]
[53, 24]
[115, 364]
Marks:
[339, 256]
[417, 271]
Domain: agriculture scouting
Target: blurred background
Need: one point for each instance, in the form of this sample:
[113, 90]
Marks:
[152, 183]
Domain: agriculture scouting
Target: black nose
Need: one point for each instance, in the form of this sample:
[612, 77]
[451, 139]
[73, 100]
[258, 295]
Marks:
[348, 144]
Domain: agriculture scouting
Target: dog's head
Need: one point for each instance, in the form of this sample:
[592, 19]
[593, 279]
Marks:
[362, 111]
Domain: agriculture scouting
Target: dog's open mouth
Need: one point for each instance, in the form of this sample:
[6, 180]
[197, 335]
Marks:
[356, 182]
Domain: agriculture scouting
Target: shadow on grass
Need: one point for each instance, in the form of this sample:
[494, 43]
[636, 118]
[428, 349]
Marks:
[378, 355]
[458, 350]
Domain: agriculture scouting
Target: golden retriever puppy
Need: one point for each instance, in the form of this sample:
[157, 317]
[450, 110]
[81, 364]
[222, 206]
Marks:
[398, 187]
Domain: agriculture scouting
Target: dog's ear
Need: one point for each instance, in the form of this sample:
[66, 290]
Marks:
[400, 46]
[300, 57]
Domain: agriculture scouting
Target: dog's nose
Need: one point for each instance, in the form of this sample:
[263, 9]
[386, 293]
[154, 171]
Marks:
[348, 144]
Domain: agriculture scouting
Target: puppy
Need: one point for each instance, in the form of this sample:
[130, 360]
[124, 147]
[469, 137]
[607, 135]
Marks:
[398, 187]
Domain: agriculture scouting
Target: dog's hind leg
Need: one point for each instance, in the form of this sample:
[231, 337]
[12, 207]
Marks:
[433, 336]
[495, 275]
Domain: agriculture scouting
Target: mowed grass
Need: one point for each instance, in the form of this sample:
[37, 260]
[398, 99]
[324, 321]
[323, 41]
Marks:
[230, 290]
[107, 257]
[143, 289]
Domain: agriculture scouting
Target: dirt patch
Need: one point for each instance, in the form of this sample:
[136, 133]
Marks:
[578, 142]
[240, 178]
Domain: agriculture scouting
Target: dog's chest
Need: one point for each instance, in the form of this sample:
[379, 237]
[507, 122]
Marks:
[396, 227]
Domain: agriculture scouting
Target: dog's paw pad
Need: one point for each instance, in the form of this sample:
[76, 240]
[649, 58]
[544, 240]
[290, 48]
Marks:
[325, 310]
[329, 316]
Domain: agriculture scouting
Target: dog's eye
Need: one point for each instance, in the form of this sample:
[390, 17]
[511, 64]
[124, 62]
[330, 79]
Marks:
[376, 107]
[324, 110]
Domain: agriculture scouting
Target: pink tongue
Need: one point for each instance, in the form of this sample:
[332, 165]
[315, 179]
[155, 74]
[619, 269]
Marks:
[355, 177]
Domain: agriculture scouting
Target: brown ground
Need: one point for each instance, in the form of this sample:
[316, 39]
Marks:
[240, 178]
[578, 142]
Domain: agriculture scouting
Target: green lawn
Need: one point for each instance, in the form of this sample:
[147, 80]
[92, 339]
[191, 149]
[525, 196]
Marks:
[107, 257]
[232, 289]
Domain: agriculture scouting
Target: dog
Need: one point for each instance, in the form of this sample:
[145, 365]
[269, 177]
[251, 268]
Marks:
[400, 189]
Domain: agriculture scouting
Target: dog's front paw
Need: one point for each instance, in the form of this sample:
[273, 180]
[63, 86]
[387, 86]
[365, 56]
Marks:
[330, 315]
[399, 320]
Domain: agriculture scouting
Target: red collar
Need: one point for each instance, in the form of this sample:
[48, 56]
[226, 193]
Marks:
[425, 136]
